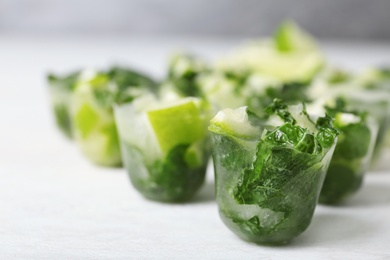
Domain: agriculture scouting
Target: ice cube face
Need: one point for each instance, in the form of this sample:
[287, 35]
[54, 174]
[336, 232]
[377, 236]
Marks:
[159, 181]
[378, 105]
[172, 175]
[95, 130]
[60, 101]
[278, 202]
[350, 161]
[384, 122]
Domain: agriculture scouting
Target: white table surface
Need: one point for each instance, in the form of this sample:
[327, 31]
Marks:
[55, 205]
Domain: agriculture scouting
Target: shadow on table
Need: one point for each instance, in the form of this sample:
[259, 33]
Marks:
[205, 194]
[330, 229]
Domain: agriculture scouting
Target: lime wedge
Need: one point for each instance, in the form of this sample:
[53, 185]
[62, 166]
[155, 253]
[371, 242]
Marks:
[294, 66]
[86, 120]
[289, 37]
[178, 124]
[235, 123]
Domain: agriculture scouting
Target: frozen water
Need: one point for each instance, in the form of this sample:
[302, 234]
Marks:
[134, 128]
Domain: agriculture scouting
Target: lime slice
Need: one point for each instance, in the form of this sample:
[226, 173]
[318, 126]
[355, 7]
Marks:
[111, 148]
[234, 122]
[289, 37]
[294, 66]
[86, 120]
[178, 124]
[102, 145]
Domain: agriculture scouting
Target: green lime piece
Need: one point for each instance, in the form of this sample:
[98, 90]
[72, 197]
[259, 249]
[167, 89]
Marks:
[180, 124]
[112, 144]
[289, 37]
[235, 123]
[86, 120]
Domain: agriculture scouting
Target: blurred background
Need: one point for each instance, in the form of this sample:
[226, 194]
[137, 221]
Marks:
[335, 19]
